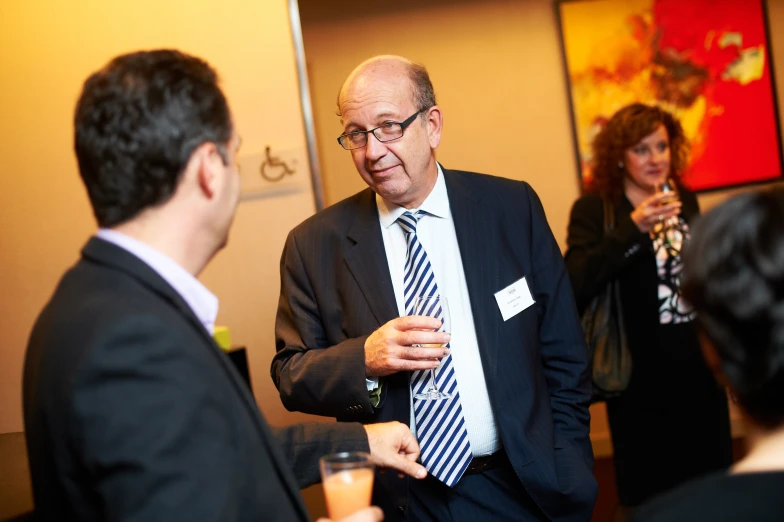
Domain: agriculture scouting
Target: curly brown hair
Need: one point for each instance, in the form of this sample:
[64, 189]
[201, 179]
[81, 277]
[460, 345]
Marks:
[625, 129]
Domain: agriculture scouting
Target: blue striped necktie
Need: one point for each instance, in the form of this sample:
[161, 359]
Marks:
[443, 439]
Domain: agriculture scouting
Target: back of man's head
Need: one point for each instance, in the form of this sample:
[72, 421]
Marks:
[733, 274]
[137, 122]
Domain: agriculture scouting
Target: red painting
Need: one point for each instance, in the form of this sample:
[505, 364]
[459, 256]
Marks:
[706, 61]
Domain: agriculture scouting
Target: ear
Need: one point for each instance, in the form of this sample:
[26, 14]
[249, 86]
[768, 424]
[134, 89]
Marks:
[434, 125]
[207, 162]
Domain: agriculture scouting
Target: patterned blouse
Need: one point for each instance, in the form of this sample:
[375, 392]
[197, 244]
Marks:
[668, 239]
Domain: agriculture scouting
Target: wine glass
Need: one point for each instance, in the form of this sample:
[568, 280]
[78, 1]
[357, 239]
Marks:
[668, 187]
[670, 230]
[433, 306]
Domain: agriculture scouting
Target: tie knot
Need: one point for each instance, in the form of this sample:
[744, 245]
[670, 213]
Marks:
[408, 220]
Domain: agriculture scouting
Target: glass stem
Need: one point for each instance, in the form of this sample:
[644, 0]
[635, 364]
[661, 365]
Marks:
[433, 386]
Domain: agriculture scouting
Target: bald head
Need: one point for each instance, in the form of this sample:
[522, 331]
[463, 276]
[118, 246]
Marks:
[391, 67]
[387, 105]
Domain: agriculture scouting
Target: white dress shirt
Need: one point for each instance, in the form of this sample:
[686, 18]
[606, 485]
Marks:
[436, 233]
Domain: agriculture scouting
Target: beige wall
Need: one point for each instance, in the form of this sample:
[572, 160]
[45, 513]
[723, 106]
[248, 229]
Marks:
[46, 51]
[498, 73]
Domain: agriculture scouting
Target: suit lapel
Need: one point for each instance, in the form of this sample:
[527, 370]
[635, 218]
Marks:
[108, 254]
[477, 239]
[105, 253]
[367, 260]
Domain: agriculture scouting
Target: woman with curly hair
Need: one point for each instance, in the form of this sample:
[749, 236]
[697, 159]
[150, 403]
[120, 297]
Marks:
[672, 422]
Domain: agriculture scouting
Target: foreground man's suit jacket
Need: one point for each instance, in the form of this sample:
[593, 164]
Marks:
[132, 412]
[336, 290]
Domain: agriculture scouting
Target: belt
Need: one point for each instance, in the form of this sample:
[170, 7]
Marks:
[486, 462]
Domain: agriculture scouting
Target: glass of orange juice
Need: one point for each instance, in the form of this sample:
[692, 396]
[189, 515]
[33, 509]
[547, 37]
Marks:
[348, 482]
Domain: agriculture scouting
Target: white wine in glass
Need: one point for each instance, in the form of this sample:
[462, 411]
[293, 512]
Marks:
[433, 306]
[668, 187]
[671, 231]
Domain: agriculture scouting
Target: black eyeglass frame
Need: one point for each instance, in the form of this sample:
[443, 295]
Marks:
[403, 125]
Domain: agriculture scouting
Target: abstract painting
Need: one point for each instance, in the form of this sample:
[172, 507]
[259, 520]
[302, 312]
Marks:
[706, 61]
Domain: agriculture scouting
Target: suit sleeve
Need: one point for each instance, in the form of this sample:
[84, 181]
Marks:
[593, 259]
[304, 444]
[154, 438]
[561, 340]
[312, 376]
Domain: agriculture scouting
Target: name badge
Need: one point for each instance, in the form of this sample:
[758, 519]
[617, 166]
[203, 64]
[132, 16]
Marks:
[514, 299]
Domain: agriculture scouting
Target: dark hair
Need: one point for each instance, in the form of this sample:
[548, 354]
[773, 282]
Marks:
[137, 122]
[625, 129]
[733, 274]
[423, 94]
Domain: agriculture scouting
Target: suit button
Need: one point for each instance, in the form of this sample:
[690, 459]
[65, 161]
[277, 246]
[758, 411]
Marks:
[402, 510]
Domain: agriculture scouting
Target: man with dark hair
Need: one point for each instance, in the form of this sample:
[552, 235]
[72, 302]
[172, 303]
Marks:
[733, 274]
[131, 410]
[132, 143]
[510, 442]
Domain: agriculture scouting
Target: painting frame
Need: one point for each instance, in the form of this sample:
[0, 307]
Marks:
[708, 172]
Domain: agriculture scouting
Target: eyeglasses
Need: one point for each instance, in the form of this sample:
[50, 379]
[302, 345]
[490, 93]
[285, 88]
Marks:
[389, 131]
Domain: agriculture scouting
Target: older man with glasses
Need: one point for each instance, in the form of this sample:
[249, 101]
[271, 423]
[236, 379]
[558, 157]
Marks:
[502, 419]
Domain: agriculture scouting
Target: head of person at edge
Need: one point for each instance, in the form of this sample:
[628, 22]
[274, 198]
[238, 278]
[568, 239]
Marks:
[637, 151]
[397, 162]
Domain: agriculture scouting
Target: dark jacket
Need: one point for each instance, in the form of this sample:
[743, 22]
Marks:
[132, 412]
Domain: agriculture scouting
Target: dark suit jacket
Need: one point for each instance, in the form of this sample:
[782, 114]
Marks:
[133, 413]
[336, 290]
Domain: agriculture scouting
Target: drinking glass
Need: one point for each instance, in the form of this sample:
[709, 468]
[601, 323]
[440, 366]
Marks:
[670, 231]
[668, 187]
[433, 306]
[348, 482]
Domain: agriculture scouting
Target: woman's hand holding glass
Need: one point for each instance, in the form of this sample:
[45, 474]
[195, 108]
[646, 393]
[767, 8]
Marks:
[655, 209]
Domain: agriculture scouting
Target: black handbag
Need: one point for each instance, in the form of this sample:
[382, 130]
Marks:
[611, 362]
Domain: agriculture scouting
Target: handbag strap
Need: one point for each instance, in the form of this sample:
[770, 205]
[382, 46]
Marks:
[615, 285]
[609, 214]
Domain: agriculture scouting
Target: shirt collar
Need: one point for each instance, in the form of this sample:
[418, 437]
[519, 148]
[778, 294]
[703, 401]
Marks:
[203, 302]
[436, 204]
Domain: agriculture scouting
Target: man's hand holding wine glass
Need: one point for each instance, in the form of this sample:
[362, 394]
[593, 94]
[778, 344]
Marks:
[405, 344]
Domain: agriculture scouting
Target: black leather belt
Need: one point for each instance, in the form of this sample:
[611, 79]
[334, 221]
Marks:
[486, 462]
